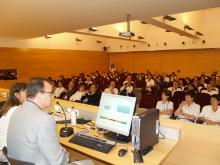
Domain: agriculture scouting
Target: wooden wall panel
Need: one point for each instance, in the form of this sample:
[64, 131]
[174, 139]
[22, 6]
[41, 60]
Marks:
[46, 62]
[189, 62]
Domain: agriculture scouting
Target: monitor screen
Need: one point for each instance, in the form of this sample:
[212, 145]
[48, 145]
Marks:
[115, 113]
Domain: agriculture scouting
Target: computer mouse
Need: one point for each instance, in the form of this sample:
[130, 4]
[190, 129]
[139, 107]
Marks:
[122, 152]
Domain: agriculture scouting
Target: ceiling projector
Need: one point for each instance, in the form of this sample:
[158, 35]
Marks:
[126, 34]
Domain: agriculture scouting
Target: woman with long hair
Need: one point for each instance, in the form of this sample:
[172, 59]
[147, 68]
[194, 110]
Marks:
[17, 96]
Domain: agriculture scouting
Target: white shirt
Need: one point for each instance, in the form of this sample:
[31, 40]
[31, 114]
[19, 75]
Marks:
[115, 91]
[150, 83]
[129, 89]
[58, 91]
[174, 90]
[193, 109]
[213, 92]
[112, 69]
[164, 107]
[4, 122]
[77, 96]
[166, 79]
[209, 114]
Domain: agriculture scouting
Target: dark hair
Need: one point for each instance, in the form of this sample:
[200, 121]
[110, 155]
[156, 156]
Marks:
[12, 99]
[59, 81]
[167, 93]
[217, 97]
[191, 94]
[96, 85]
[82, 85]
[35, 86]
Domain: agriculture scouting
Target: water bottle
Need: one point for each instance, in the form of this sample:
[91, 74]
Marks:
[74, 114]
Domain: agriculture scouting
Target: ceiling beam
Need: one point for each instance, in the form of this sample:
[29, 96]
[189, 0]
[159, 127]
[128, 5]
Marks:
[165, 26]
[106, 36]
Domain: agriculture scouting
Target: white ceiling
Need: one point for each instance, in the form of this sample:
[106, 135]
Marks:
[34, 18]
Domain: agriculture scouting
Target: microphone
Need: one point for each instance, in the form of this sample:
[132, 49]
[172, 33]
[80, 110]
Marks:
[65, 131]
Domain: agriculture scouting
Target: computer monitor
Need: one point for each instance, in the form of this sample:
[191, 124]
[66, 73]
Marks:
[115, 115]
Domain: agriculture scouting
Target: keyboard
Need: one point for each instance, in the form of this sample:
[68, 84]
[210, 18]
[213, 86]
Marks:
[95, 143]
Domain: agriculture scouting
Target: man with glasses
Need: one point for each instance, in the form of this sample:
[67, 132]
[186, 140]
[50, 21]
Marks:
[32, 135]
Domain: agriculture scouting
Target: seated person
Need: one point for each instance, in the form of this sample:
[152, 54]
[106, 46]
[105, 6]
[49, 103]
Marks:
[71, 90]
[129, 79]
[88, 81]
[181, 83]
[32, 135]
[92, 96]
[78, 95]
[188, 109]
[165, 106]
[127, 89]
[211, 113]
[174, 88]
[111, 89]
[149, 82]
[209, 90]
[17, 96]
[202, 84]
[191, 87]
[59, 90]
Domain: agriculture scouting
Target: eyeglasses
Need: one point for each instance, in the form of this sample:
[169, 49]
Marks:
[51, 92]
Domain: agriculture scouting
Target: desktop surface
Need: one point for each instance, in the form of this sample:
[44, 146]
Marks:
[156, 156]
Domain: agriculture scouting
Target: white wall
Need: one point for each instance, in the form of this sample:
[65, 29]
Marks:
[57, 41]
[205, 21]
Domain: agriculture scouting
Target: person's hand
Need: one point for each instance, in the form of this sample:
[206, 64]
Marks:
[111, 90]
[209, 122]
[183, 103]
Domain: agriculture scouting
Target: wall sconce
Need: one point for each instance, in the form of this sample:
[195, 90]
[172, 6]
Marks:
[93, 29]
[99, 42]
[78, 40]
[47, 36]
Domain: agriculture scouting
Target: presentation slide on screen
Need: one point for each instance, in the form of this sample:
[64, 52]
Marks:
[115, 113]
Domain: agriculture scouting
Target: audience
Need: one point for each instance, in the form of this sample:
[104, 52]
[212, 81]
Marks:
[127, 89]
[70, 91]
[188, 109]
[165, 105]
[17, 96]
[149, 82]
[78, 95]
[211, 113]
[111, 89]
[155, 83]
[92, 96]
[174, 88]
[209, 90]
[59, 90]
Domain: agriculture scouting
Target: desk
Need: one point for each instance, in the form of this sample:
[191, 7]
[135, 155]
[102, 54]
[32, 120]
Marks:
[156, 156]
[199, 144]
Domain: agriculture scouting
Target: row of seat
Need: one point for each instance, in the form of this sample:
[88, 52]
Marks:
[149, 100]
